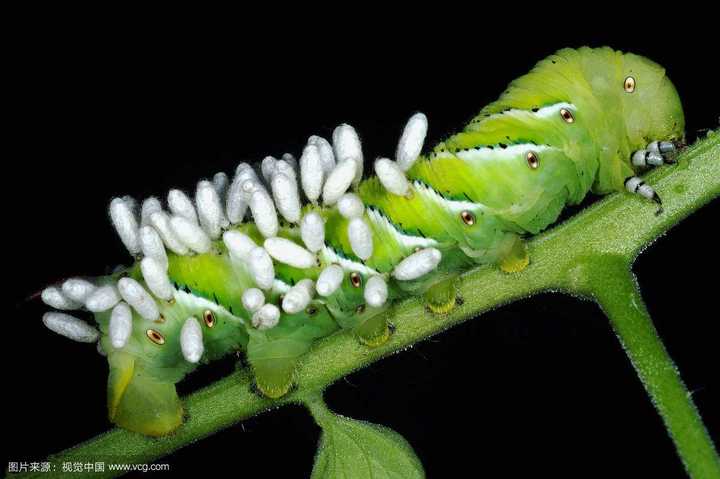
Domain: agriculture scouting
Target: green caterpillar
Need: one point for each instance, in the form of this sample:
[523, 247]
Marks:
[284, 254]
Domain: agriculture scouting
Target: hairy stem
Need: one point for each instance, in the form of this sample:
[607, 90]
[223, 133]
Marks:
[317, 407]
[620, 225]
[613, 286]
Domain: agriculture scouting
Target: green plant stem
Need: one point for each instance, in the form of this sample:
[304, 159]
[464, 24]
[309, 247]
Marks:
[614, 287]
[620, 225]
[317, 407]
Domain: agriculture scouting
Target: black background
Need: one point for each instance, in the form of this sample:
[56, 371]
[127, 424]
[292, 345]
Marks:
[537, 387]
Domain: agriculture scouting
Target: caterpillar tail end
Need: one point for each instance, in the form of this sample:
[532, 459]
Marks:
[516, 259]
[140, 403]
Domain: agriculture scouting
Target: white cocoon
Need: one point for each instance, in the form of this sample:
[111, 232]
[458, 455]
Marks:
[312, 231]
[235, 201]
[77, 289]
[360, 237]
[411, 141]
[238, 244]
[156, 278]
[266, 317]
[417, 264]
[264, 214]
[70, 327]
[125, 223]
[339, 180]
[329, 280]
[152, 245]
[135, 295]
[391, 176]
[290, 160]
[190, 234]
[102, 299]
[261, 267]
[289, 252]
[376, 291]
[312, 172]
[161, 222]
[299, 296]
[180, 205]
[54, 297]
[191, 340]
[287, 197]
[149, 206]
[267, 168]
[221, 182]
[350, 206]
[252, 299]
[286, 166]
[346, 144]
[209, 209]
[327, 157]
[120, 326]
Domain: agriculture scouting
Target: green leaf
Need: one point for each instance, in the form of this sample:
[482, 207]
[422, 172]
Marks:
[357, 450]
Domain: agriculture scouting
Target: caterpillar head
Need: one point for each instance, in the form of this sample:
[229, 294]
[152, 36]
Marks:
[650, 102]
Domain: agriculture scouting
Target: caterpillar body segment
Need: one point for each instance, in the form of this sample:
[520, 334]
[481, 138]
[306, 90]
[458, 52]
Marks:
[288, 252]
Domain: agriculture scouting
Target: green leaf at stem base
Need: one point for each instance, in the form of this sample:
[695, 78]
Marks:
[359, 450]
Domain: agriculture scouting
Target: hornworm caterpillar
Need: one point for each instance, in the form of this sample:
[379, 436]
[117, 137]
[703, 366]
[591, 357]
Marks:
[289, 251]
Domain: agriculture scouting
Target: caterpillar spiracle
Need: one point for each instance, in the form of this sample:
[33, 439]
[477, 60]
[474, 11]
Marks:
[286, 252]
